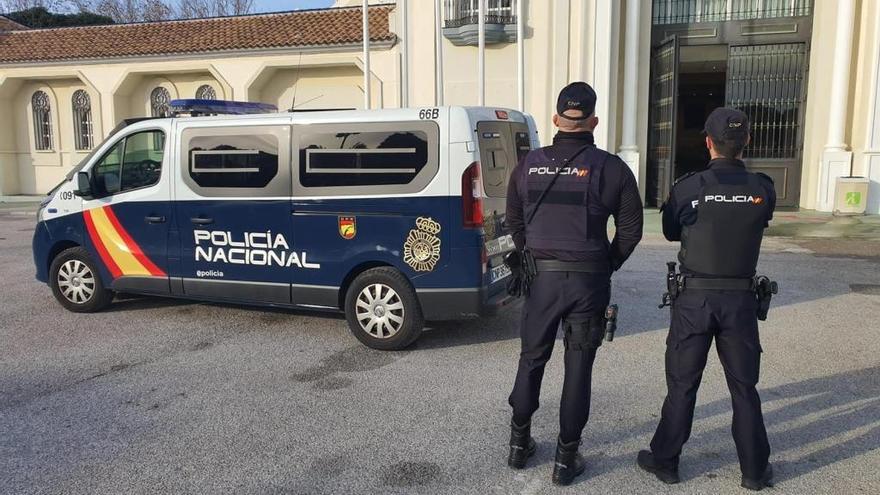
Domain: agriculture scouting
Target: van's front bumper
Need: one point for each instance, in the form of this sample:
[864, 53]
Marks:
[460, 304]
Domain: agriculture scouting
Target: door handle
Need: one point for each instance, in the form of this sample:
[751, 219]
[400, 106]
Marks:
[155, 219]
[202, 220]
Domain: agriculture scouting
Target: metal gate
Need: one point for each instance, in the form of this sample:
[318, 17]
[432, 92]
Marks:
[767, 83]
[661, 137]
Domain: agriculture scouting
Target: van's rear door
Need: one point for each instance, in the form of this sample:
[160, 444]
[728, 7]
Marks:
[501, 144]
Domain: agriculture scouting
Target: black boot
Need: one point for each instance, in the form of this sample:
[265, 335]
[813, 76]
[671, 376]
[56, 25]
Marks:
[569, 463]
[759, 484]
[666, 474]
[522, 445]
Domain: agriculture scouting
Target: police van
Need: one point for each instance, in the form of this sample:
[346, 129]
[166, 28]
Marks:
[392, 216]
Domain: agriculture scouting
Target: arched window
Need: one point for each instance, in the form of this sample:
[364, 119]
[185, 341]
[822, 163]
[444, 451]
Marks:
[159, 102]
[42, 120]
[82, 120]
[206, 92]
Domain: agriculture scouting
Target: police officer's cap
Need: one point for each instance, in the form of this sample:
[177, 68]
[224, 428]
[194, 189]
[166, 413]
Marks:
[576, 96]
[727, 124]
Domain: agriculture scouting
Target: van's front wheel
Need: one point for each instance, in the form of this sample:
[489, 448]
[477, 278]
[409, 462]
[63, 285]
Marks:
[75, 282]
[382, 309]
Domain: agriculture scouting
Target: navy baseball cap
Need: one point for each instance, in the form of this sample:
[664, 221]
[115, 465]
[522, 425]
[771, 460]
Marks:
[577, 96]
[727, 124]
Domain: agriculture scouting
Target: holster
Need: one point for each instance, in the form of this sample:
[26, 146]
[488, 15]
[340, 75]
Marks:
[764, 290]
[523, 271]
[583, 332]
[673, 285]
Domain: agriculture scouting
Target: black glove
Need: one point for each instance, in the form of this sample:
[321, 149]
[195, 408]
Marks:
[513, 260]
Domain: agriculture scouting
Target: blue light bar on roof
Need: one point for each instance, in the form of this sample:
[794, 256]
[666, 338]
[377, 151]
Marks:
[197, 107]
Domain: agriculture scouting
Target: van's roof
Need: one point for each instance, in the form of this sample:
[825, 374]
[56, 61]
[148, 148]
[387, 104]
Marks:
[480, 113]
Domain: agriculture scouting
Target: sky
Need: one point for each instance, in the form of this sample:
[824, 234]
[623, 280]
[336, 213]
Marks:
[276, 5]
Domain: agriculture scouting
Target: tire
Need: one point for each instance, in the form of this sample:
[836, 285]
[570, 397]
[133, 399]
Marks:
[76, 283]
[374, 319]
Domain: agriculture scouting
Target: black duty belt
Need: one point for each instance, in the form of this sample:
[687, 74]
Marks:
[572, 266]
[718, 283]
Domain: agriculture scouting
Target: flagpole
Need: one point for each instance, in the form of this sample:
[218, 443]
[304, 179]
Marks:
[481, 56]
[438, 54]
[520, 55]
[366, 42]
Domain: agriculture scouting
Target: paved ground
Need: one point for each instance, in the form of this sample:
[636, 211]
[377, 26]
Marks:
[156, 396]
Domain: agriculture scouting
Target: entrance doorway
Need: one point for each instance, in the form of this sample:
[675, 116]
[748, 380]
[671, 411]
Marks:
[701, 84]
[733, 53]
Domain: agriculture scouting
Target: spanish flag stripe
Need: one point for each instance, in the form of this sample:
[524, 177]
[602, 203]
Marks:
[116, 246]
[133, 246]
[99, 246]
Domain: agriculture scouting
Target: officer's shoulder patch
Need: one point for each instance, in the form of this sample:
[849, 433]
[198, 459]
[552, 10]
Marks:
[762, 174]
[683, 177]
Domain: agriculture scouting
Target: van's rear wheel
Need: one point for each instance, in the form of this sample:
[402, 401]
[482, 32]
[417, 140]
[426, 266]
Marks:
[76, 283]
[382, 309]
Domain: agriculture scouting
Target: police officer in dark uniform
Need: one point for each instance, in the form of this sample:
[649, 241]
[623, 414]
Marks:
[719, 215]
[558, 203]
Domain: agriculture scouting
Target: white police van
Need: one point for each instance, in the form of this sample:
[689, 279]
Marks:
[392, 216]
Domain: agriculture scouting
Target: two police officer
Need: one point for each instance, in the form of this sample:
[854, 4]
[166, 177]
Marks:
[719, 216]
[558, 204]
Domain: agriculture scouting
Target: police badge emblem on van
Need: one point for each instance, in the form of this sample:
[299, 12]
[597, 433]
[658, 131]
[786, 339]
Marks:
[347, 227]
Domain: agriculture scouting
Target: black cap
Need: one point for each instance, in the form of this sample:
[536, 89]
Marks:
[576, 96]
[727, 124]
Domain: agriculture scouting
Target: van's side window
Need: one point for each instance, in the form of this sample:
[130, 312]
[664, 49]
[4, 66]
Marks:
[243, 161]
[236, 161]
[132, 163]
[361, 158]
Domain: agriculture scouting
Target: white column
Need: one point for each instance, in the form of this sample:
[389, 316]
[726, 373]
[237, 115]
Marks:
[605, 55]
[872, 153]
[836, 159]
[366, 43]
[629, 148]
[481, 53]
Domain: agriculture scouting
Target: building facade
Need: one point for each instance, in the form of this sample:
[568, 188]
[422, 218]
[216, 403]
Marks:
[806, 71]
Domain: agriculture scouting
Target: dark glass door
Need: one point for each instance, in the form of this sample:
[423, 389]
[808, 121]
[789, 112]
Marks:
[661, 137]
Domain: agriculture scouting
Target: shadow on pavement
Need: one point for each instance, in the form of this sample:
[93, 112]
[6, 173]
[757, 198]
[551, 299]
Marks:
[832, 418]
[825, 420]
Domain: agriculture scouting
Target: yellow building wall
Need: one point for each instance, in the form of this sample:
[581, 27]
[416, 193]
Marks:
[121, 89]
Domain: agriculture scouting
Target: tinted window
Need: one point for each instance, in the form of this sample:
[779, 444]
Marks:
[236, 161]
[142, 163]
[106, 173]
[368, 158]
[131, 164]
[523, 145]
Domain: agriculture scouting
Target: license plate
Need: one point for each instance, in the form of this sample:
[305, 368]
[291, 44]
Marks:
[498, 273]
[500, 245]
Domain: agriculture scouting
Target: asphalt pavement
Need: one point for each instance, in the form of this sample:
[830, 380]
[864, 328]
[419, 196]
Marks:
[169, 396]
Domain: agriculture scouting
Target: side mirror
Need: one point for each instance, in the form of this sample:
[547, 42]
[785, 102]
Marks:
[83, 185]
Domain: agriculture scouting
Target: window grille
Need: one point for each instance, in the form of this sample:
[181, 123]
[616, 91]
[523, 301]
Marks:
[42, 110]
[160, 99]
[206, 92]
[82, 120]
[766, 82]
[694, 11]
[464, 12]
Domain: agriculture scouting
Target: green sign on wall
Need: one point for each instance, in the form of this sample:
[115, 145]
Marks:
[853, 198]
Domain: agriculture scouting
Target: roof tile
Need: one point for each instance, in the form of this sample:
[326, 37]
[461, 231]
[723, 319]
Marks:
[338, 26]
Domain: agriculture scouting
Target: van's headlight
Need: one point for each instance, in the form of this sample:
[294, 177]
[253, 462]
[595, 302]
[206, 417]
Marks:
[43, 205]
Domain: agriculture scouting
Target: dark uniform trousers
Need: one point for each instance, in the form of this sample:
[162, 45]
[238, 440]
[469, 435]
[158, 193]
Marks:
[729, 317]
[553, 297]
